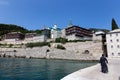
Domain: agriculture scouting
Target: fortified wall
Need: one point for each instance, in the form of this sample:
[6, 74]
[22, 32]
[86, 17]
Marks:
[74, 51]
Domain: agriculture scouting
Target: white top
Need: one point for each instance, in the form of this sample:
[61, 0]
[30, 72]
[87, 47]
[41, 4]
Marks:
[116, 30]
[99, 32]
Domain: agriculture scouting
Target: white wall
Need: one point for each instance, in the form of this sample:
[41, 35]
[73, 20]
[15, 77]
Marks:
[41, 38]
[73, 37]
[11, 41]
[113, 44]
[55, 34]
[97, 37]
[63, 33]
[87, 38]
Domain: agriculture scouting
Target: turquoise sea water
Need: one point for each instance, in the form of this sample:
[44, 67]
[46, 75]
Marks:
[38, 69]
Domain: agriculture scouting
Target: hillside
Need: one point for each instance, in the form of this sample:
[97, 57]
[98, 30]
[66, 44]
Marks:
[5, 28]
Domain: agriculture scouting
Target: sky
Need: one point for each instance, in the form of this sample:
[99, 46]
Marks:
[35, 14]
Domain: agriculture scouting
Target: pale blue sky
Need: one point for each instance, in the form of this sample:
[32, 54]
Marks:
[34, 14]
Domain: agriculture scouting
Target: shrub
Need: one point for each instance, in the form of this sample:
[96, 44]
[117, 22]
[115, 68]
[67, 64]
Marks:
[77, 40]
[61, 47]
[10, 45]
[3, 45]
[49, 45]
[61, 40]
[37, 44]
[0, 44]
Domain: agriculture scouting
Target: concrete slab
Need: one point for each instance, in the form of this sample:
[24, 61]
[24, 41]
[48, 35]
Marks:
[94, 72]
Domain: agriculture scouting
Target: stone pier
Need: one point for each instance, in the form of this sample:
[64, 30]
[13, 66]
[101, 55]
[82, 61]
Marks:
[94, 72]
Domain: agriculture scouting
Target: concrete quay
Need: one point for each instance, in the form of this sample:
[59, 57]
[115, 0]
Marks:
[94, 72]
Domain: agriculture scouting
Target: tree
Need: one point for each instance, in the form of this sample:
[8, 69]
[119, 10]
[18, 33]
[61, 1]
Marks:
[114, 25]
[6, 28]
[61, 40]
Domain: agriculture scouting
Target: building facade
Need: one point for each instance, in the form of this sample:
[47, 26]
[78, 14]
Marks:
[20, 38]
[78, 33]
[113, 43]
[34, 37]
[13, 36]
[29, 37]
[98, 36]
[55, 32]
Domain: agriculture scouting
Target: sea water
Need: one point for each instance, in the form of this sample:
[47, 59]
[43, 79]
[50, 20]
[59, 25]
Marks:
[38, 69]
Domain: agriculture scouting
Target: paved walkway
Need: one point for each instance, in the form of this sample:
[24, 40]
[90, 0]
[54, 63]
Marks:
[94, 72]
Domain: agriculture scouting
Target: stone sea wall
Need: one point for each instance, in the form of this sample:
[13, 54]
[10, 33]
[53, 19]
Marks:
[74, 51]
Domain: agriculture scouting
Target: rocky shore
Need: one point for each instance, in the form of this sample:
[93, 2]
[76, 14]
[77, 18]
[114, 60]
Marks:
[74, 51]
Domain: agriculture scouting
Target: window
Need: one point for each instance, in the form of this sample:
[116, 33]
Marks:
[110, 40]
[117, 40]
[116, 34]
[118, 54]
[118, 46]
[112, 54]
[111, 46]
[110, 35]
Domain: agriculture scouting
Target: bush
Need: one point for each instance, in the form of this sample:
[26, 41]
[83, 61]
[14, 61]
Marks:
[10, 45]
[49, 45]
[76, 40]
[3, 45]
[0, 44]
[61, 47]
[37, 44]
[61, 40]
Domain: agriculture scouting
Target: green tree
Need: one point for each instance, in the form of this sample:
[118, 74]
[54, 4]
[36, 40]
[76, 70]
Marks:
[61, 40]
[114, 25]
[6, 28]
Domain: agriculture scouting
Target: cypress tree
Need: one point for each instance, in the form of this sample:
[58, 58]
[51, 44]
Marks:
[114, 25]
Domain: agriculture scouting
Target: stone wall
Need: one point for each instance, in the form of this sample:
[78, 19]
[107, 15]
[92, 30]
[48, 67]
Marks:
[74, 51]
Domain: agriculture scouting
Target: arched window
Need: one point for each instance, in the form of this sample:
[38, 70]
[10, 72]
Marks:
[86, 52]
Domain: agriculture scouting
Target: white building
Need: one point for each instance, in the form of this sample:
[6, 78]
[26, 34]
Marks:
[63, 33]
[33, 37]
[113, 43]
[55, 32]
[98, 36]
